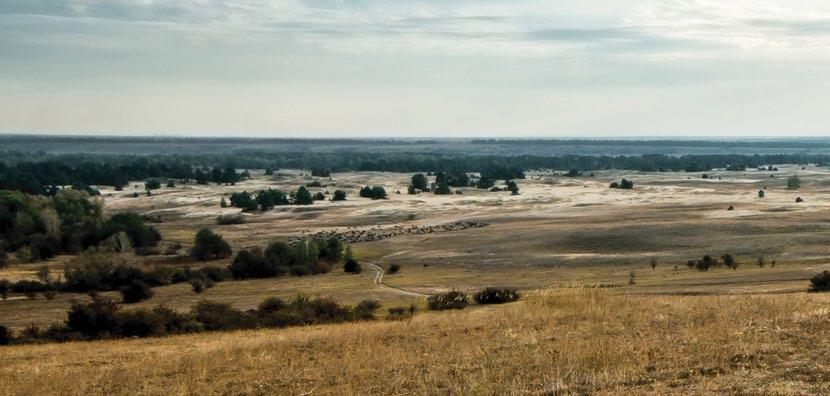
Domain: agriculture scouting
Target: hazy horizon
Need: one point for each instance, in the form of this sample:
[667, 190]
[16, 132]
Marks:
[379, 69]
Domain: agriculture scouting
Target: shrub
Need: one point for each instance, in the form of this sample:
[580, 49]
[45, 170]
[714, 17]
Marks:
[138, 323]
[147, 251]
[793, 183]
[5, 287]
[93, 319]
[374, 192]
[152, 184]
[321, 267]
[210, 246]
[159, 276]
[365, 310]
[299, 270]
[393, 269]
[730, 261]
[303, 197]
[820, 282]
[220, 316]
[5, 335]
[176, 323]
[449, 300]
[271, 304]
[353, 267]
[228, 219]
[50, 294]
[494, 295]
[512, 187]
[326, 310]
[216, 274]
[243, 200]
[623, 184]
[401, 313]
[136, 291]
[339, 195]
[250, 264]
[198, 285]
[29, 288]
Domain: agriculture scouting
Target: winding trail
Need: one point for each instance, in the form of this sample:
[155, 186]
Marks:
[378, 281]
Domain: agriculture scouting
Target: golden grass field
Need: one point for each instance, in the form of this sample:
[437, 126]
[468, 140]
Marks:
[557, 341]
[673, 331]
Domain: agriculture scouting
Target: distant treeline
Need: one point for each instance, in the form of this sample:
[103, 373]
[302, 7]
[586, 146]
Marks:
[743, 143]
[36, 173]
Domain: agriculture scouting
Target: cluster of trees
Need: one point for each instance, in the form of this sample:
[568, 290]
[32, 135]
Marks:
[102, 318]
[268, 199]
[103, 270]
[373, 192]
[444, 181]
[98, 270]
[623, 184]
[38, 227]
[316, 256]
[708, 262]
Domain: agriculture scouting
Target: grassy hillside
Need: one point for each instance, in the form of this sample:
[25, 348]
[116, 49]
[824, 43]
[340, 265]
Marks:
[561, 341]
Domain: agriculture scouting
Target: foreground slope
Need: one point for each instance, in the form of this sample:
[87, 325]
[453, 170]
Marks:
[559, 341]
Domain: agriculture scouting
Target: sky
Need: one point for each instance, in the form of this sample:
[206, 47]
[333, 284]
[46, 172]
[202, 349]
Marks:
[371, 68]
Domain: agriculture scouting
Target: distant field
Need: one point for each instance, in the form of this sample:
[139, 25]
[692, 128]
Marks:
[558, 232]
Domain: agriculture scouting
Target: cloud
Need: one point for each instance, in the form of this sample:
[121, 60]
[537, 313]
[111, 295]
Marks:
[471, 64]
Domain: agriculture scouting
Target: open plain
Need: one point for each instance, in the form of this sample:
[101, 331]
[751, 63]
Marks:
[580, 252]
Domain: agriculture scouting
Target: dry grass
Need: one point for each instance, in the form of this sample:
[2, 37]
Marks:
[560, 341]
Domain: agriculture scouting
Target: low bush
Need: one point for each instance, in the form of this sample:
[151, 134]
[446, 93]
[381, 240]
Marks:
[221, 316]
[352, 267]
[228, 219]
[102, 318]
[365, 310]
[496, 295]
[449, 300]
[5, 335]
[820, 282]
[393, 269]
[401, 313]
[136, 291]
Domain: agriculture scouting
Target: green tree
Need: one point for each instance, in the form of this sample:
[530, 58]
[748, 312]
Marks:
[512, 187]
[793, 183]
[420, 182]
[339, 195]
[210, 246]
[303, 197]
[442, 188]
[152, 184]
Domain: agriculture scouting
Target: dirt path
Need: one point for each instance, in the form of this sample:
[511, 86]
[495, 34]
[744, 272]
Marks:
[378, 281]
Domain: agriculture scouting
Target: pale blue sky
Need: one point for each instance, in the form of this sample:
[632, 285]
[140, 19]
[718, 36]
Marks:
[416, 68]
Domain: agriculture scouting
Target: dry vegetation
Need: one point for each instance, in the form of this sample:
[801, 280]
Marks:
[674, 330]
[560, 341]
